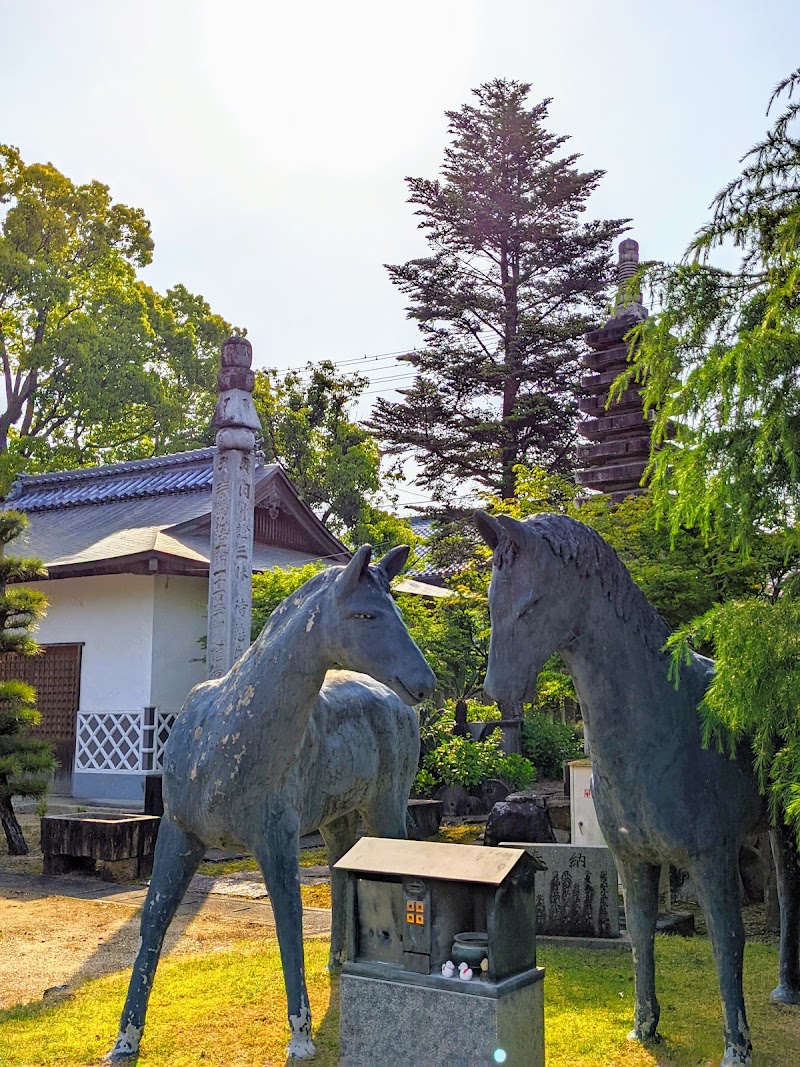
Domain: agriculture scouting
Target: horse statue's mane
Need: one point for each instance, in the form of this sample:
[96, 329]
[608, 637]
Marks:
[575, 542]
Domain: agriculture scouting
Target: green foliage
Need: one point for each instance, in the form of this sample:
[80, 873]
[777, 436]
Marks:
[549, 745]
[680, 572]
[453, 635]
[25, 762]
[478, 712]
[754, 696]
[333, 462]
[513, 280]
[461, 761]
[98, 365]
[272, 587]
[424, 784]
[718, 364]
[380, 529]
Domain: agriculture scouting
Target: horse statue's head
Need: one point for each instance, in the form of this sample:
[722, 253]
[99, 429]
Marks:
[533, 601]
[368, 633]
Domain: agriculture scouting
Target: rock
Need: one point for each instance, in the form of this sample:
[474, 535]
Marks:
[490, 791]
[558, 811]
[520, 817]
[425, 816]
[54, 991]
[454, 799]
[475, 806]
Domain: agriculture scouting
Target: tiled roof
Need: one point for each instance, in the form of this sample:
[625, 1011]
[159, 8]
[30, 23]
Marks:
[105, 515]
[184, 472]
[420, 568]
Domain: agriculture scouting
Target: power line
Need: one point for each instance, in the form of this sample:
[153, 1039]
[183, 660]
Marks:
[345, 362]
[482, 337]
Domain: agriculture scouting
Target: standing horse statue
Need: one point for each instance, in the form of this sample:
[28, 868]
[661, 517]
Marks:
[259, 756]
[661, 797]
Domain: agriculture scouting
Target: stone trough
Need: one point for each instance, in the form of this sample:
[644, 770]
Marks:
[115, 846]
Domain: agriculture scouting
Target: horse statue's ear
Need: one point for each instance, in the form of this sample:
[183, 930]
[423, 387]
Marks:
[489, 528]
[394, 561]
[512, 529]
[355, 570]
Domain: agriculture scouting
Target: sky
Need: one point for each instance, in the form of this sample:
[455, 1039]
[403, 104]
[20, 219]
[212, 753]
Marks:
[267, 143]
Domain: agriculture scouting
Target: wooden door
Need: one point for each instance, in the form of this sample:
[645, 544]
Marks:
[56, 676]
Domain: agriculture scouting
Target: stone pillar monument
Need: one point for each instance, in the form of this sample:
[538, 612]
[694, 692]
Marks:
[231, 557]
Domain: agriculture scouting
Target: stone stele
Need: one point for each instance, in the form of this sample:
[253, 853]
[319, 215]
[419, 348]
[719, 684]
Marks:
[577, 895]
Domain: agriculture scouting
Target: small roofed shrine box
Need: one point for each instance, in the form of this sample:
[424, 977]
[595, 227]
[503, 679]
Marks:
[413, 907]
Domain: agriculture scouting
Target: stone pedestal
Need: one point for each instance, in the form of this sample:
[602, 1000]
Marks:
[439, 1022]
[118, 848]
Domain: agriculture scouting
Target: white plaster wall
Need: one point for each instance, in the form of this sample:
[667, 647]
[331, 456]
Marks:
[112, 615]
[179, 621]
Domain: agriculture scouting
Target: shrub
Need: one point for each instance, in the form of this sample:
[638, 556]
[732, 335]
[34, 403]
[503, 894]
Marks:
[477, 712]
[461, 761]
[424, 784]
[548, 745]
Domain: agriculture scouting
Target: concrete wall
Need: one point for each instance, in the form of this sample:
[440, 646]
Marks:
[179, 621]
[140, 646]
[113, 616]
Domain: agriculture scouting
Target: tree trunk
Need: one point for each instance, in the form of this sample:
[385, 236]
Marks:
[17, 846]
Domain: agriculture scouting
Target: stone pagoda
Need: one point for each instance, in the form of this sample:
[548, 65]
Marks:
[614, 460]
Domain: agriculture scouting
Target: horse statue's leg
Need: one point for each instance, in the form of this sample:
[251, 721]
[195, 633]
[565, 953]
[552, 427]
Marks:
[177, 857]
[277, 853]
[640, 881]
[386, 815]
[716, 877]
[339, 837]
[787, 867]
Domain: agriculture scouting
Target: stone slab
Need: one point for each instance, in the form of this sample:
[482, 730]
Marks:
[621, 943]
[576, 896]
[406, 1025]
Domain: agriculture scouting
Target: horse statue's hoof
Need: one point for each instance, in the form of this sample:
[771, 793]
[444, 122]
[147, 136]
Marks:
[645, 1037]
[301, 1048]
[735, 1058]
[784, 994]
[127, 1045]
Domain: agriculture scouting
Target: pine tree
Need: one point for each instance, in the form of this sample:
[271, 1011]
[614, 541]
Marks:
[25, 762]
[512, 283]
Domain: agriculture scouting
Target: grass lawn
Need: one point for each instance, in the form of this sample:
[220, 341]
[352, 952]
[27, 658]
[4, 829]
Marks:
[227, 1009]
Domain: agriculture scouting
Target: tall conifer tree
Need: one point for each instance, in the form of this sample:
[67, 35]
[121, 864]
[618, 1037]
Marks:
[513, 281]
[25, 761]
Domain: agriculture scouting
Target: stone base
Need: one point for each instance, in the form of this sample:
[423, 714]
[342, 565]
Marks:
[675, 922]
[406, 1024]
[623, 942]
[117, 847]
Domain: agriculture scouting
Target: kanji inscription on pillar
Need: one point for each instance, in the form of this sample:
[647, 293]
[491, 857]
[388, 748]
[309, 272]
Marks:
[231, 557]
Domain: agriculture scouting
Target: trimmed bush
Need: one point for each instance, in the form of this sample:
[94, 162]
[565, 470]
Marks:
[549, 745]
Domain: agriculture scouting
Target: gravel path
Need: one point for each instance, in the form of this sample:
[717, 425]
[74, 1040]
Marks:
[56, 932]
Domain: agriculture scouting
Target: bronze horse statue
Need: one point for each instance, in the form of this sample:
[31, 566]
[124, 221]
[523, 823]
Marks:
[260, 756]
[661, 797]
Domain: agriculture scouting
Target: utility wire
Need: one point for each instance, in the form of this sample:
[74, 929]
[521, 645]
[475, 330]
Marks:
[372, 358]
